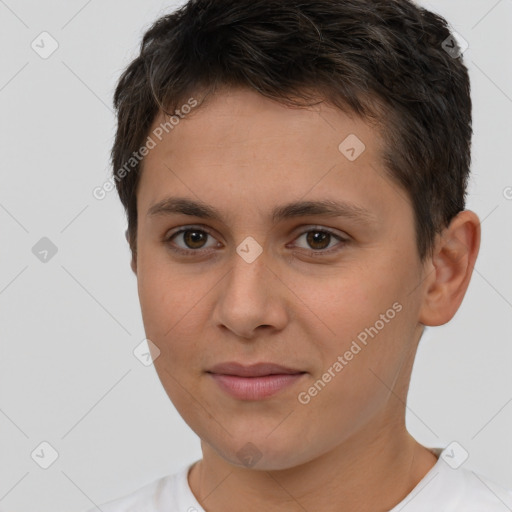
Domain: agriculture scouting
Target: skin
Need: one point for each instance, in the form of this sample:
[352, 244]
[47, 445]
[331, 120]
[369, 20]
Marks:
[348, 448]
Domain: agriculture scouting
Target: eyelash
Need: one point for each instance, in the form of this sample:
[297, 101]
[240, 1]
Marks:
[188, 252]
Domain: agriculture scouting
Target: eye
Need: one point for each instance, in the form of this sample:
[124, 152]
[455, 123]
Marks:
[193, 239]
[318, 240]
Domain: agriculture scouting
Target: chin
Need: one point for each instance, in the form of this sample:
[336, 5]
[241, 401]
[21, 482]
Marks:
[263, 452]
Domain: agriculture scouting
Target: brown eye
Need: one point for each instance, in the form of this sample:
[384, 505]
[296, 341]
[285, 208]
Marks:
[194, 239]
[318, 239]
[190, 240]
[321, 241]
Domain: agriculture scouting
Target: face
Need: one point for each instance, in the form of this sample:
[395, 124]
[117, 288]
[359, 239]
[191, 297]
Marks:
[266, 272]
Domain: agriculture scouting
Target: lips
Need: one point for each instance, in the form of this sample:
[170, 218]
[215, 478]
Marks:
[254, 382]
[255, 370]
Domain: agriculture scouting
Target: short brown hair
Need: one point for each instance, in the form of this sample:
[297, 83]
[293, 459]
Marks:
[383, 60]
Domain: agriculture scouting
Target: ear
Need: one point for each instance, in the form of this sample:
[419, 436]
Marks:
[448, 273]
[133, 262]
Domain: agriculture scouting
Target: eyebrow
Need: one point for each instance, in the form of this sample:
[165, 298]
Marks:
[327, 207]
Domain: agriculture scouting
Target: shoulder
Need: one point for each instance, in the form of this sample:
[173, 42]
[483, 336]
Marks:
[481, 493]
[449, 487]
[165, 494]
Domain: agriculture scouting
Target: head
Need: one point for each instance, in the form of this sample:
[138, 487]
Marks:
[318, 154]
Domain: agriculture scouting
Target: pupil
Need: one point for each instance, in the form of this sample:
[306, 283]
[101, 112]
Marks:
[315, 237]
[192, 237]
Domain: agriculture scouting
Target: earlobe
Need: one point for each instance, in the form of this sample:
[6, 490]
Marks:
[451, 269]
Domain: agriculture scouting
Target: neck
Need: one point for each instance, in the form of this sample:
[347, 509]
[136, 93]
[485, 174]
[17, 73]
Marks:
[364, 473]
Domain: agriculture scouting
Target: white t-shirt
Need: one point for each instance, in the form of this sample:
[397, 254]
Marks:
[442, 489]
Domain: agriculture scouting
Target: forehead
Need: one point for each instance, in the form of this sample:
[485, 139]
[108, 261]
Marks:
[245, 118]
[241, 145]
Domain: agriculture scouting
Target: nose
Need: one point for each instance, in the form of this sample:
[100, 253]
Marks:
[251, 298]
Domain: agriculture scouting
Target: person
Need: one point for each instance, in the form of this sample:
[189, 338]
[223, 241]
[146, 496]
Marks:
[294, 176]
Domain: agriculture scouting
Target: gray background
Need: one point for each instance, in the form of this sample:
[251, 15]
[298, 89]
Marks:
[68, 326]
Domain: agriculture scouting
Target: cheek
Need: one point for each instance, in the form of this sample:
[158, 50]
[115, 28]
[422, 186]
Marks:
[171, 320]
[346, 301]
[163, 296]
[363, 315]
[175, 303]
[355, 380]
